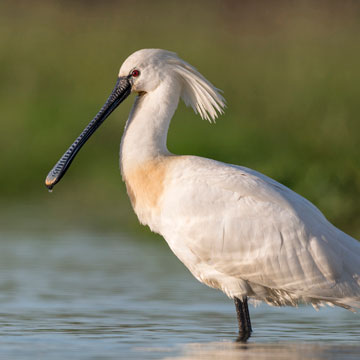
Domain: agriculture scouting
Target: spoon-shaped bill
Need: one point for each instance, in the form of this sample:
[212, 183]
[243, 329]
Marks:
[120, 93]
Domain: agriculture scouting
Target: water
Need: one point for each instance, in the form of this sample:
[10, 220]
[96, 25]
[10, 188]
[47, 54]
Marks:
[86, 296]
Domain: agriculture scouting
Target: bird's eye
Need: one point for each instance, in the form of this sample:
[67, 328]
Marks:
[135, 73]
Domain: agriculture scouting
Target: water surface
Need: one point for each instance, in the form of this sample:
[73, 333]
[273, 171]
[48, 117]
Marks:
[94, 296]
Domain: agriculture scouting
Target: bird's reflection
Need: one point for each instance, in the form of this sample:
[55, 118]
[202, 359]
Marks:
[284, 350]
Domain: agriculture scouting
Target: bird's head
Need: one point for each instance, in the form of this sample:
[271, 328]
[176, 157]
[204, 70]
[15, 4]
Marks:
[146, 69]
[143, 72]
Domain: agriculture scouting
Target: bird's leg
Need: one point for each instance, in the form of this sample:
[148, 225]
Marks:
[243, 316]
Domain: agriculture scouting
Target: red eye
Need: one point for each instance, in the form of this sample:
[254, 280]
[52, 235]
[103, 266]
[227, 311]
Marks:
[135, 73]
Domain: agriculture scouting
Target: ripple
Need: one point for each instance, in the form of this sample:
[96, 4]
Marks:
[94, 296]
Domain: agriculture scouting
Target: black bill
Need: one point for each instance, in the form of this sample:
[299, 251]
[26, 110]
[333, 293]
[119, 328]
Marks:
[120, 93]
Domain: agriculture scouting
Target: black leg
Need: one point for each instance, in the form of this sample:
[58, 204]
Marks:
[243, 316]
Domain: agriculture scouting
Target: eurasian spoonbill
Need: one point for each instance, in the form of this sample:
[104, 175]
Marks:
[235, 229]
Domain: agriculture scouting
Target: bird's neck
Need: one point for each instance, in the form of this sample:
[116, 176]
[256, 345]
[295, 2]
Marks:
[146, 130]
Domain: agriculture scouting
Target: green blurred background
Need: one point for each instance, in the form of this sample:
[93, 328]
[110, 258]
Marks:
[289, 71]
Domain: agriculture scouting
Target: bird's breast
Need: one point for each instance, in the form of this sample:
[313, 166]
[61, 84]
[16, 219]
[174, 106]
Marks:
[145, 184]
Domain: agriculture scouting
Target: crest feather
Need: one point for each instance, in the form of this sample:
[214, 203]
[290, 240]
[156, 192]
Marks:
[198, 92]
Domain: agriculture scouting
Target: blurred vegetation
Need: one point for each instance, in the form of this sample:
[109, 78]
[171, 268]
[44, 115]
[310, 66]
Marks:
[289, 71]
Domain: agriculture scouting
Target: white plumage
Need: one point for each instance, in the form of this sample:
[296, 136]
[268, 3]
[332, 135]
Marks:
[234, 228]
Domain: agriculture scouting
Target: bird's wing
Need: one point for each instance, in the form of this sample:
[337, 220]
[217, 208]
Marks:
[247, 226]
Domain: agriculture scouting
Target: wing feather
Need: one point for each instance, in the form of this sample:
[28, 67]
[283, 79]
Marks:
[228, 222]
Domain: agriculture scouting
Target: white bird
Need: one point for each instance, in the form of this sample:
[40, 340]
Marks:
[235, 229]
